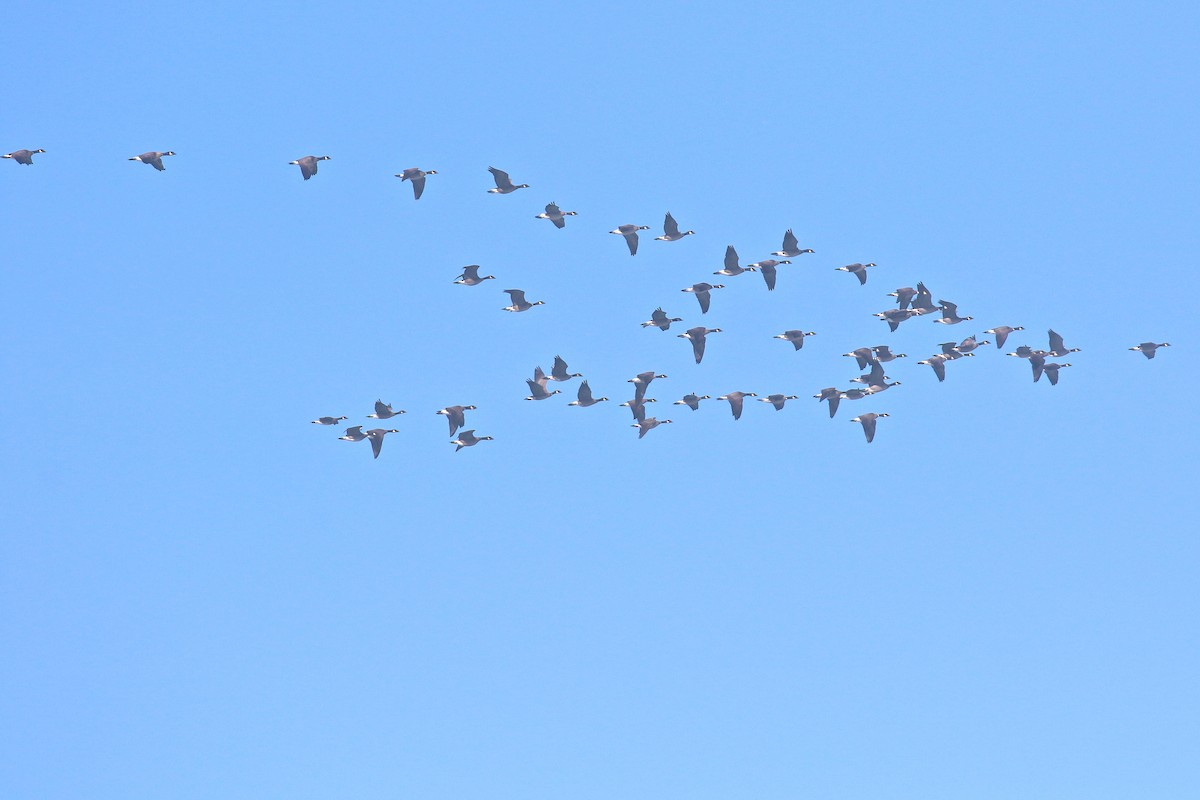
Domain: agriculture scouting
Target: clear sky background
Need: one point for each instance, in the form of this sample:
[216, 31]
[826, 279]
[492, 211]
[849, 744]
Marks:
[206, 596]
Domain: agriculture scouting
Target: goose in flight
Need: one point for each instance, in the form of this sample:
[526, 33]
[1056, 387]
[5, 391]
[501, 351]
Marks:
[671, 231]
[416, 176]
[307, 165]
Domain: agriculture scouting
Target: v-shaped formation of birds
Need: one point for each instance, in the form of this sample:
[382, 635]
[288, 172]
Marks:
[910, 302]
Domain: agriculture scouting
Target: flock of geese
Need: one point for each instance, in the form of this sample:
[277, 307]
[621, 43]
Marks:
[910, 301]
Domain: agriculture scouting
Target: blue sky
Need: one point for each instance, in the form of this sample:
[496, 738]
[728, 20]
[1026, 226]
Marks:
[207, 596]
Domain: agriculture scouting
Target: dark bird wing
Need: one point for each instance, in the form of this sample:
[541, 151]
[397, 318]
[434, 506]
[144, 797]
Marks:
[698, 338]
[1056, 343]
[1052, 374]
[501, 178]
[876, 376]
[862, 277]
[559, 370]
[769, 274]
[659, 317]
[539, 377]
[1001, 336]
[418, 183]
[670, 226]
[156, 162]
[470, 272]
[705, 300]
[735, 405]
[868, 423]
[731, 258]
[1038, 363]
[924, 298]
[584, 394]
[790, 243]
[376, 443]
[631, 239]
[517, 296]
[939, 368]
[833, 405]
[382, 408]
[456, 418]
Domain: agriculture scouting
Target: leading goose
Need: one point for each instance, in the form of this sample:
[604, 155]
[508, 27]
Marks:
[23, 156]
[1149, 348]
[154, 158]
[307, 165]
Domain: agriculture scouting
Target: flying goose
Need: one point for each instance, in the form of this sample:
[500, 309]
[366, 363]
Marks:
[644, 426]
[865, 356]
[584, 397]
[630, 232]
[328, 420]
[671, 230]
[950, 314]
[833, 396]
[638, 406]
[1057, 348]
[791, 247]
[923, 301]
[732, 267]
[768, 270]
[556, 215]
[857, 270]
[308, 165]
[23, 156]
[868, 423]
[1001, 333]
[383, 411]
[875, 376]
[1148, 348]
[354, 434]
[1025, 351]
[876, 388]
[154, 158]
[470, 276]
[641, 381]
[456, 416]
[894, 316]
[938, 362]
[537, 387]
[852, 394]
[519, 303]
[884, 354]
[660, 320]
[903, 295]
[1038, 363]
[1051, 371]
[796, 337]
[559, 371]
[503, 184]
[697, 336]
[701, 290]
[778, 400]
[692, 401]
[968, 344]
[376, 436]
[736, 399]
[417, 177]
[468, 439]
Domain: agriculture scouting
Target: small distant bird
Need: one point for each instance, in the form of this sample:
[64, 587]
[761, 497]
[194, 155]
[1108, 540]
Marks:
[732, 267]
[796, 337]
[876, 388]
[646, 425]
[865, 356]
[697, 337]
[903, 295]
[868, 423]
[857, 270]
[383, 411]
[307, 165]
[791, 247]
[1051, 371]
[671, 230]
[1001, 333]
[456, 416]
[968, 344]
[1148, 348]
[768, 270]
[660, 320]
[537, 387]
[641, 381]
[470, 276]
[556, 215]
[736, 400]
[154, 158]
[638, 406]
[376, 436]
[894, 316]
[468, 439]
[584, 397]
[872, 378]
[519, 303]
[630, 232]
[1057, 348]
[25, 156]
[833, 396]
[328, 420]
[938, 362]
[559, 371]
[503, 184]
[884, 354]
[701, 290]
[778, 400]
[415, 175]
[692, 401]
[950, 314]
[354, 434]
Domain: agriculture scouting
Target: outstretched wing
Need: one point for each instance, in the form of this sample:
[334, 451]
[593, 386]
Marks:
[659, 316]
[470, 272]
[769, 274]
[705, 299]
[156, 162]
[731, 258]
[789, 241]
[670, 226]
[631, 239]
[1056, 342]
[376, 444]
[418, 186]
[501, 178]
[585, 393]
[868, 424]
[516, 295]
